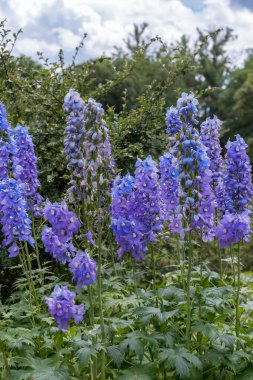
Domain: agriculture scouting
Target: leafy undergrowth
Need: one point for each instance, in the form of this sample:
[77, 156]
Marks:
[145, 330]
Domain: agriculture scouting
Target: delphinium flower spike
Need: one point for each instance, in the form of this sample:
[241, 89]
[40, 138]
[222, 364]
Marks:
[83, 269]
[136, 213]
[238, 190]
[16, 225]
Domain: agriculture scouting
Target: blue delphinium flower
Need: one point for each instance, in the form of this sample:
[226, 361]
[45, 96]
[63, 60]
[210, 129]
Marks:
[237, 194]
[83, 269]
[25, 159]
[87, 148]
[136, 213]
[238, 187]
[13, 215]
[58, 239]
[210, 137]
[62, 308]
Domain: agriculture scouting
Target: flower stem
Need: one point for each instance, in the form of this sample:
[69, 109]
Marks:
[188, 298]
[237, 319]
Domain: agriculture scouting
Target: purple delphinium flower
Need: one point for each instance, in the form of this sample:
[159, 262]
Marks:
[13, 215]
[37, 205]
[58, 238]
[83, 269]
[74, 133]
[87, 148]
[237, 194]
[136, 217]
[25, 160]
[210, 137]
[62, 308]
[238, 187]
[233, 228]
[196, 198]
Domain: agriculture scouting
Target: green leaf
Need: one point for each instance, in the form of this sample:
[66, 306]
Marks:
[246, 375]
[116, 355]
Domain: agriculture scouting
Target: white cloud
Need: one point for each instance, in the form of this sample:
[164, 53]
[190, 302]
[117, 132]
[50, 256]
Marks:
[53, 24]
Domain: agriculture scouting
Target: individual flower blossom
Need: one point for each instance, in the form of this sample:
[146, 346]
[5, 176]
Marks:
[83, 269]
[233, 228]
[87, 148]
[238, 187]
[13, 250]
[37, 207]
[4, 124]
[62, 308]
[13, 215]
[25, 160]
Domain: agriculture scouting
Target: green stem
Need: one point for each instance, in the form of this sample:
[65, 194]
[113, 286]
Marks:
[28, 257]
[37, 250]
[102, 325]
[188, 298]
[153, 267]
[237, 323]
[200, 289]
[220, 262]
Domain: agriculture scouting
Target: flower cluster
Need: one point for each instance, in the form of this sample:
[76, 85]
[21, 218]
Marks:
[58, 238]
[13, 216]
[233, 228]
[87, 148]
[25, 160]
[187, 107]
[83, 269]
[61, 306]
[136, 213]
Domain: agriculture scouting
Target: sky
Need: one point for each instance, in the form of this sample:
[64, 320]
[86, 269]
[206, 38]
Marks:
[50, 25]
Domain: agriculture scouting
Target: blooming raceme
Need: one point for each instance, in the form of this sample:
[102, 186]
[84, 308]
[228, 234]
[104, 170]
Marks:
[196, 199]
[136, 212]
[58, 238]
[13, 216]
[237, 186]
[210, 137]
[25, 160]
[87, 148]
[61, 306]
[83, 269]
